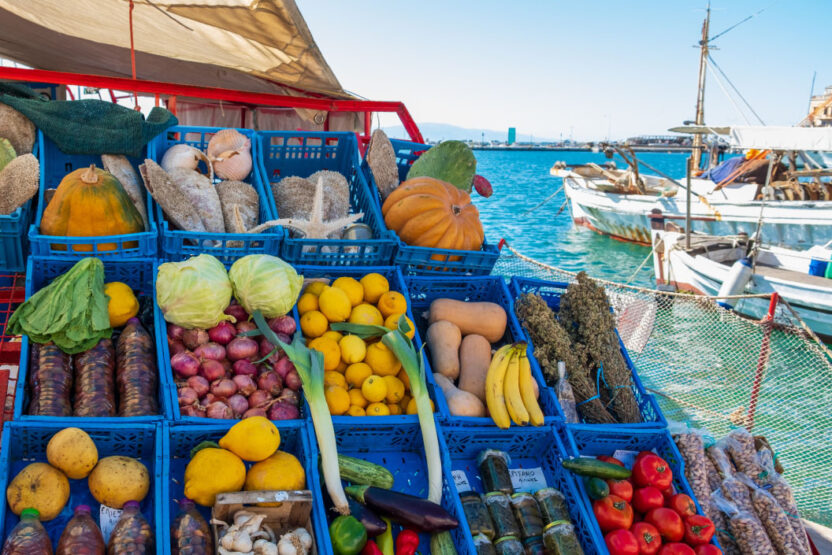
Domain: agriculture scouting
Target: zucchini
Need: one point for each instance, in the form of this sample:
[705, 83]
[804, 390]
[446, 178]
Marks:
[597, 488]
[364, 473]
[586, 466]
[442, 544]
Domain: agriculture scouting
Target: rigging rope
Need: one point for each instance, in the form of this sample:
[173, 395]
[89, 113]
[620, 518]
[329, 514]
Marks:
[756, 115]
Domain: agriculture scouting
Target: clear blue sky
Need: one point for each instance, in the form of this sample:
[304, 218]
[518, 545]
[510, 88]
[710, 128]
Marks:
[547, 66]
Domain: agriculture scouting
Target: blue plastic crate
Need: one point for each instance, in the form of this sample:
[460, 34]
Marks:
[25, 443]
[401, 450]
[529, 448]
[139, 274]
[14, 238]
[54, 166]
[424, 260]
[180, 439]
[176, 244]
[424, 290]
[282, 154]
[583, 440]
[551, 291]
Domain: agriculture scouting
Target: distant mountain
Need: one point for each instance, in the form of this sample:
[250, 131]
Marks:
[445, 132]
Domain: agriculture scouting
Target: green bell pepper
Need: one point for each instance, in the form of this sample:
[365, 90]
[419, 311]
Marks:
[348, 535]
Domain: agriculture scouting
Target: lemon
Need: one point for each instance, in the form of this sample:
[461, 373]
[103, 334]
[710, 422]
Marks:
[374, 389]
[281, 471]
[411, 407]
[353, 289]
[395, 410]
[307, 302]
[357, 373]
[334, 378]
[378, 409]
[366, 314]
[405, 401]
[329, 348]
[335, 304]
[353, 349]
[342, 367]
[122, 305]
[404, 378]
[337, 399]
[395, 389]
[212, 471]
[392, 323]
[392, 302]
[315, 288]
[252, 439]
[356, 398]
[334, 335]
[382, 360]
[375, 285]
[356, 411]
[313, 324]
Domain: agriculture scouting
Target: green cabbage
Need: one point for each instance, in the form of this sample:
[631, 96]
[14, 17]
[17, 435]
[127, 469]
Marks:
[194, 293]
[266, 283]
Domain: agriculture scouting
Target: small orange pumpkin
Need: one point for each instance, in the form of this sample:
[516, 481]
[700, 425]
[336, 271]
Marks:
[428, 212]
[91, 202]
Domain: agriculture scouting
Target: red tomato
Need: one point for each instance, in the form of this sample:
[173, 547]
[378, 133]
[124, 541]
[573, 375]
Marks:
[648, 538]
[698, 529]
[652, 470]
[621, 488]
[647, 498]
[667, 522]
[668, 492]
[707, 549]
[612, 460]
[676, 549]
[612, 513]
[682, 504]
[621, 542]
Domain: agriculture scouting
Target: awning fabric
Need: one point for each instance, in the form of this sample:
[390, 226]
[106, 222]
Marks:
[782, 138]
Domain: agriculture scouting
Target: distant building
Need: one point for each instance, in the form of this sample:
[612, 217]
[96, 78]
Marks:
[659, 140]
[822, 103]
[512, 135]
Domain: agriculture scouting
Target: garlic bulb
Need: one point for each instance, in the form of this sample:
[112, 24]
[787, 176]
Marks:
[187, 157]
[230, 153]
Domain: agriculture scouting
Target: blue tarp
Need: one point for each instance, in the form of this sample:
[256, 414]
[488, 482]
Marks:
[723, 170]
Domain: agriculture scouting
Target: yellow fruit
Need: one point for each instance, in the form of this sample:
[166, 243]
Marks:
[382, 360]
[122, 305]
[252, 439]
[334, 335]
[375, 285]
[394, 409]
[313, 324]
[39, 486]
[405, 401]
[116, 480]
[494, 387]
[378, 409]
[350, 286]
[337, 399]
[335, 304]
[307, 302]
[392, 323]
[527, 391]
[342, 367]
[374, 389]
[392, 302]
[212, 471]
[395, 389]
[357, 398]
[357, 373]
[366, 314]
[315, 288]
[353, 349]
[329, 348]
[282, 471]
[402, 375]
[355, 410]
[511, 390]
[334, 378]
[411, 407]
[73, 452]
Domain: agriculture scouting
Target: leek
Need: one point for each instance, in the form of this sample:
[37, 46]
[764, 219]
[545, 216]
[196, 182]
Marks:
[310, 366]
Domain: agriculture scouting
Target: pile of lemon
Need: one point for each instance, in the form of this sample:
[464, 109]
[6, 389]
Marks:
[361, 378]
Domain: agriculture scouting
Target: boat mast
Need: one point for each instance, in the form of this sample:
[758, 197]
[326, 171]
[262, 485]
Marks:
[700, 93]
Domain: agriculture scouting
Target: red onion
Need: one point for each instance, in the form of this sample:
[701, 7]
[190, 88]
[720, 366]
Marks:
[213, 351]
[175, 332]
[289, 396]
[244, 368]
[293, 381]
[184, 364]
[283, 367]
[222, 333]
[285, 338]
[259, 398]
[255, 412]
[211, 370]
[238, 404]
[238, 312]
[199, 384]
[283, 411]
[194, 338]
[208, 399]
[192, 410]
[176, 347]
[270, 381]
[245, 326]
[220, 410]
[187, 396]
[266, 347]
[242, 347]
[226, 365]
[224, 388]
[245, 385]
[283, 324]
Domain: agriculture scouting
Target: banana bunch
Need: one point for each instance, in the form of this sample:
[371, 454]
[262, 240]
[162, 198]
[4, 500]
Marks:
[509, 388]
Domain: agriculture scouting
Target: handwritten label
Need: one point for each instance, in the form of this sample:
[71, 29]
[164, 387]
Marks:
[107, 517]
[527, 479]
[461, 480]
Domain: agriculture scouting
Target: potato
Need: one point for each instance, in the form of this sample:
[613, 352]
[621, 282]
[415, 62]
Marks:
[443, 341]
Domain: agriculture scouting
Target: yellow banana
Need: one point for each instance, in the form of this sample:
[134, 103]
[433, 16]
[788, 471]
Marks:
[494, 397]
[514, 401]
[527, 390]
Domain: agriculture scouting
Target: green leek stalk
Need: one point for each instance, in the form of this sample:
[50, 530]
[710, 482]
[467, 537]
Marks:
[310, 366]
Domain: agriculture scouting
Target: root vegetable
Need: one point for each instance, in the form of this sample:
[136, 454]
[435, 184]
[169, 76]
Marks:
[211, 370]
[245, 326]
[266, 348]
[219, 410]
[283, 324]
[192, 410]
[284, 366]
[194, 338]
[483, 318]
[289, 396]
[210, 350]
[226, 366]
[293, 381]
[224, 388]
[175, 332]
[474, 360]
[222, 333]
[245, 384]
[270, 381]
[283, 411]
[187, 396]
[185, 364]
[237, 311]
[259, 399]
[242, 348]
[257, 411]
[244, 368]
[199, 384]
[176, 347]
[460, 403]
[444, 339]
[238, 404]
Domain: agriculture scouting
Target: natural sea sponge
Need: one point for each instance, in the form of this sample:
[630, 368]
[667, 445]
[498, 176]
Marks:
[17, 128]
[18, 182]
[295, 196]
[244, 196]
[202, 195]
[381, 157]
[174, 203]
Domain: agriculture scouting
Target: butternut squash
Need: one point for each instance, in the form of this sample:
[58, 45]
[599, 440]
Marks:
[460, 403]
[483, 318]
[443, 341]
[474, 360]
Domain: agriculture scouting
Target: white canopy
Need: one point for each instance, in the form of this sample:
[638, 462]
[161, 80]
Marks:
[771, 137]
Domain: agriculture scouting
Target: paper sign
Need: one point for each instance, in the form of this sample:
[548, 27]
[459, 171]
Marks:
[461, 480]
[107, 517]
[625, 456]
[527, 479]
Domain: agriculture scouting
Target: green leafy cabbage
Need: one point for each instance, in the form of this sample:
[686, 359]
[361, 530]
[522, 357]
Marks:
[266, 283]
[194, 293]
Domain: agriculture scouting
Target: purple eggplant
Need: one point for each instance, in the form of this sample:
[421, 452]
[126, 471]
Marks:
[374, 525]
[409, 511]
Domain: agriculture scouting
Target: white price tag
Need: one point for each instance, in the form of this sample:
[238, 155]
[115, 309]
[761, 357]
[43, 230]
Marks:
[527, 479]
[107, 517]
[626, 457]
[461, 480]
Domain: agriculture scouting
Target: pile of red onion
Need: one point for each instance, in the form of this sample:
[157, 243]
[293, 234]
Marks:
[217, 374]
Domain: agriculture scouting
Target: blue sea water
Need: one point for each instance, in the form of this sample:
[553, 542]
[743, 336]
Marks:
[521, 180]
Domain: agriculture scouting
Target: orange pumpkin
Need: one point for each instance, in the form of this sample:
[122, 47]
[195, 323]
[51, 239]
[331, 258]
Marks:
[91, 202]
[428, 212]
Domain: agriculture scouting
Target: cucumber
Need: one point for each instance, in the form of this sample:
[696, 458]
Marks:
[597, 488]
[586, 466]
[364, 473]
[442, 544]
